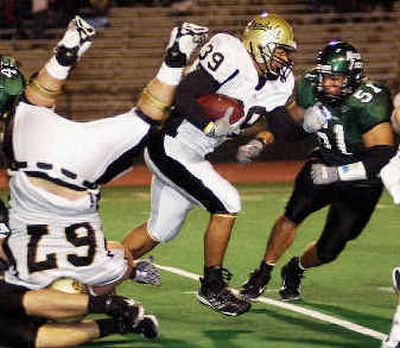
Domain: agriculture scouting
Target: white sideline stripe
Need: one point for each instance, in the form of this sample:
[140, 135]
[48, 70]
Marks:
[295, 308]
[386, 289]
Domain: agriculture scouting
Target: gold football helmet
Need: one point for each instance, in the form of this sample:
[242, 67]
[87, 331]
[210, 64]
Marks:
[69, 286]
[262, 38]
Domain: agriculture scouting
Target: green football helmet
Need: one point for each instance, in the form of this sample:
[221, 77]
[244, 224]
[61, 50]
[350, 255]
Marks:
[262, 36]
[339, 57]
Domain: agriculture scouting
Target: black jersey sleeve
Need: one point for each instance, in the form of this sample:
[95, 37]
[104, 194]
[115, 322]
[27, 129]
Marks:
[196, 84]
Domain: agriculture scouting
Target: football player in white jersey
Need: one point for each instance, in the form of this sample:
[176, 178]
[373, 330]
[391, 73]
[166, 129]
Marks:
[390, 175]
[255, 69]
[56, 168]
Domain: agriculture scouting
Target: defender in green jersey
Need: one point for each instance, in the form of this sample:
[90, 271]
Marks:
[351, 118]
[11, 86]
[11, 83]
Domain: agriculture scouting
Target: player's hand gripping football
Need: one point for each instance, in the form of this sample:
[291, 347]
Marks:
[183, 41]
[221, 127]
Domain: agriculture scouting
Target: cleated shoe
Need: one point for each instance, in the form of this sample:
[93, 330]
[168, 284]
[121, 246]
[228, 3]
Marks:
[291, 278]
[148, 327]
[214, 292]
[76, 41]
[255, 285]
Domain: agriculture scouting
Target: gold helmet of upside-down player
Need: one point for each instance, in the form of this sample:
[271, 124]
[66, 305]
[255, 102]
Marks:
[270, 41]
[69, 286]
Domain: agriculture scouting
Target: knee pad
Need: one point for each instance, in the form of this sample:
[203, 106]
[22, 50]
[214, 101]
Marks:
[234, 203]
[161, 232]
[230, 201]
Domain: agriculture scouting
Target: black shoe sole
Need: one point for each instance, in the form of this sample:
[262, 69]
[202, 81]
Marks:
[205, 302]
[290, 298]
[250, 297]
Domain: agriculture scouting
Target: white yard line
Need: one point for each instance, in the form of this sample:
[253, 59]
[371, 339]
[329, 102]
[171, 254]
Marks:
[295, 308]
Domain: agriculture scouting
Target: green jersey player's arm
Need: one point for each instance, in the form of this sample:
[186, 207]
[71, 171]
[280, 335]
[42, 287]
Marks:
[375, 119]
[304, 97]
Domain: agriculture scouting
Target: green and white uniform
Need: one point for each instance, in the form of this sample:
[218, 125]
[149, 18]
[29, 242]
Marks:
[11, 83]
[341, 140]
[351, 203]
[11, 86]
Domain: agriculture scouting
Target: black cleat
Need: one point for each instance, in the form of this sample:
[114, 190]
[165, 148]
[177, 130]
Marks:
[216, 294]
[396, 279]
[256, 284]
[291, 278]
[148, 327]
[128, 311]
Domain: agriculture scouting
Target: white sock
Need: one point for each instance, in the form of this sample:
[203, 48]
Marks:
[168, 75]
[395, 330]
[57, 70]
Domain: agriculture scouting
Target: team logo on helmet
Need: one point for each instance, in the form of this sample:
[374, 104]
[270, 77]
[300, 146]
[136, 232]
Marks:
[262, 37]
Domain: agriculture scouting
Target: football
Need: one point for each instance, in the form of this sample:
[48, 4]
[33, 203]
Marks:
[215, 105]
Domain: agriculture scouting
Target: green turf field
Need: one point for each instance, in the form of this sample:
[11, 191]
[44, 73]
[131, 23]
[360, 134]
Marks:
[354, 288]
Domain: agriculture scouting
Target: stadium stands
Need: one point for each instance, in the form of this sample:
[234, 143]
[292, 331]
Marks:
[126, 54]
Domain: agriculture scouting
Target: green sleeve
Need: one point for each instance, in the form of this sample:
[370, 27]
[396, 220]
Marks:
[11, 82]
[374, 103]
[305, 91]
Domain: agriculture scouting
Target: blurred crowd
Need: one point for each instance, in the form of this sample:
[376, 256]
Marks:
[32, 17]
[342, 6]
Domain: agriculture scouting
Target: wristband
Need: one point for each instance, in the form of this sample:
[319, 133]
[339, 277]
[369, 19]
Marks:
[168, 75]
[352, 171]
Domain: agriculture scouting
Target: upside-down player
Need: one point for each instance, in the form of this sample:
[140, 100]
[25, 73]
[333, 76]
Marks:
[56, 168]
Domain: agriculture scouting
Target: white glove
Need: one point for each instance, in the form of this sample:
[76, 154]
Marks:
[315, 117]
[390, 175]
[183, 41]
[246, 153]
[146, 272]
[324, 175]
[221, 127]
